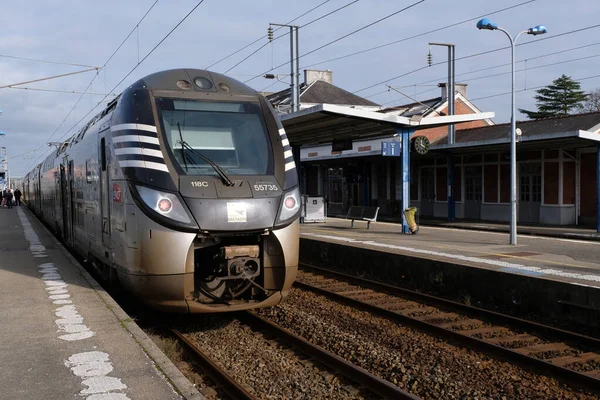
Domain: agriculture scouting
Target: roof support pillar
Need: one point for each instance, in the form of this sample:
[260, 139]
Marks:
[598, 187]
[405, 133]
[451, 201]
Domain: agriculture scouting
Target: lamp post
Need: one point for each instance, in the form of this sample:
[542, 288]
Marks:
[537, 30]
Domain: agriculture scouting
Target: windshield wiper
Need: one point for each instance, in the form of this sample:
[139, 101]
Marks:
[183, 154]
[185, 146]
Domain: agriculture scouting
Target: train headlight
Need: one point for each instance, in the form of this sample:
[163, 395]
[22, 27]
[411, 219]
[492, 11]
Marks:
[165, 204]
[290, 205]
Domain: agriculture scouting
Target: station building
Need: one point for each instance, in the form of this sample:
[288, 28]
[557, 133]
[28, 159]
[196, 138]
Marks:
[557, 162]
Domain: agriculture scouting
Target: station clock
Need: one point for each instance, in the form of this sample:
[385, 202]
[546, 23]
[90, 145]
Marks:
[421, 144]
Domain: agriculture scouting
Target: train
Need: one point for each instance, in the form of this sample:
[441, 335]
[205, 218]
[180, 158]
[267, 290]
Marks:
[183, 189]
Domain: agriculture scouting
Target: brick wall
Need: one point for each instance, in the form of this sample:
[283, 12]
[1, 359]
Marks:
[460, 108]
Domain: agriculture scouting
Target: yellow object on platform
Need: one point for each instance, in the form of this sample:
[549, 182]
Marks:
[410, 214]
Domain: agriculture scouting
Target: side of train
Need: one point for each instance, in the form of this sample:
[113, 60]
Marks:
[184, 189]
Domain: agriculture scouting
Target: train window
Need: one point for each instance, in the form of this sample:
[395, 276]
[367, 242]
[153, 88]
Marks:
[103, 153]
[232, 134]
[88, 171]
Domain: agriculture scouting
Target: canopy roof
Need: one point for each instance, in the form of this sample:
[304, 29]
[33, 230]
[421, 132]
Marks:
[325, 122]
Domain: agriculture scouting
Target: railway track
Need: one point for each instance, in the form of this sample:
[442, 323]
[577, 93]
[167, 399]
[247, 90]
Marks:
[236, 390]
[568, 356]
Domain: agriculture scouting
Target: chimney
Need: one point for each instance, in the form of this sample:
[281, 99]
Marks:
[459, 87]
[311, 75]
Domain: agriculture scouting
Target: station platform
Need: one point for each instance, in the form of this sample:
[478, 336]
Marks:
[62, 335]
[562, 231]
[553, 274]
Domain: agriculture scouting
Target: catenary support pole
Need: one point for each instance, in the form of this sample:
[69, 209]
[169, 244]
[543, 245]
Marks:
[598, 188]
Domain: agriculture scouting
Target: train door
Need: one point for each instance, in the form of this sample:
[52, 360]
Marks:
[64, 202]
[105, 194]
[68, 202]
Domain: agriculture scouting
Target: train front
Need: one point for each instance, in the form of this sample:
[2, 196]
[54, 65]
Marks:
[218, 189]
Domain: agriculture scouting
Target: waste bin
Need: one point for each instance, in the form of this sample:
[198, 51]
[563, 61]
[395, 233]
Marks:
[410, 214]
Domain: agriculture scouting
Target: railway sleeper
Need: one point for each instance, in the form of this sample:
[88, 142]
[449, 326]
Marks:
[464, 322]
[513, 338]
[440, 316]
[539, 348]
[579, 359]
[484, 330]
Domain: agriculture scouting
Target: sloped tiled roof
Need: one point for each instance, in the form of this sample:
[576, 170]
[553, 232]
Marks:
[531, 128]
[321, 92]
[408, 110]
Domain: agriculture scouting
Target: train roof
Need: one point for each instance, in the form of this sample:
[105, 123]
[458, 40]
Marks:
[193, 79]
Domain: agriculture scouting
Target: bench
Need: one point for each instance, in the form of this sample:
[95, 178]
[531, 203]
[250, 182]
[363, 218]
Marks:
[368, 214]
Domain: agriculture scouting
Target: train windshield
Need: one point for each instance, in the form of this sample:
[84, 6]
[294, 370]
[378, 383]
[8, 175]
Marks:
[231, 135]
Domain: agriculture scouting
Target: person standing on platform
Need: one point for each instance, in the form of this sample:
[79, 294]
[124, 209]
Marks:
[17, 197]
[9, 198]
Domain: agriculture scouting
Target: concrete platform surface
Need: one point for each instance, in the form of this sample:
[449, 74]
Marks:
[62, 336]
[564, 260]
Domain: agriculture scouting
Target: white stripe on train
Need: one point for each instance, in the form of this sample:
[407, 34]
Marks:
[139, 127]
[143, 164]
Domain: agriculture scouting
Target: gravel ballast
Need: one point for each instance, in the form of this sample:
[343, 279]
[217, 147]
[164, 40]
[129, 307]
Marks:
[424, 365]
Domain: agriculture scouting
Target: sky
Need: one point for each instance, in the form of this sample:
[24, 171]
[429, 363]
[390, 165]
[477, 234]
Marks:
[88, 32]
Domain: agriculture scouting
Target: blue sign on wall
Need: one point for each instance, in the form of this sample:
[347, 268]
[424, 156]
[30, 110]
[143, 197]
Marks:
[391, 149]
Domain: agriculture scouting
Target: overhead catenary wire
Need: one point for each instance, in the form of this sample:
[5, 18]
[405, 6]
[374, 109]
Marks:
[532, 88]
[419, 35]
[503, 73]
[475, 55]
[49, 78]
[60, 91]
[287, 33]
[343, 36]
[92, 81]
[135, 67]
[262, 37]
[48, 61]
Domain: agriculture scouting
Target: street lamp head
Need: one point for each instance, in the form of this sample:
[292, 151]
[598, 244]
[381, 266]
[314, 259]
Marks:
[487, 24]
[537, 30]
[2, 133]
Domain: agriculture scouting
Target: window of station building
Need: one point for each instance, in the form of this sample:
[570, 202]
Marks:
[550, 154]
[472, 159]
[441, 185]
[569, 182]
[490, 157]
[457, 183]
[551, 182]
[505, 183]
[490, 186]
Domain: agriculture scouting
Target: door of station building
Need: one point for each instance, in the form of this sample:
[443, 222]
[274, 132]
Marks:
[473, 189]
[427, 191]
[336, 191]
[530, 192]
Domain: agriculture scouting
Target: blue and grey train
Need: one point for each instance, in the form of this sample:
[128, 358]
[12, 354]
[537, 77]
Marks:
[184, 189]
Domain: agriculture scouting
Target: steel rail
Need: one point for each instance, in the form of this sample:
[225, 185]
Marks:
[215, 372]
[475, 311]
[353, 372]
[580, 379]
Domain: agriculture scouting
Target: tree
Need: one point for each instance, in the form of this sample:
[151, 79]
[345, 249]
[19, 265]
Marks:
[558, 99]
[592, 103]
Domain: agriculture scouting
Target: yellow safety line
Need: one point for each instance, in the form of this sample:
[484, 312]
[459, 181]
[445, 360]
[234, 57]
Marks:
[478, 252]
